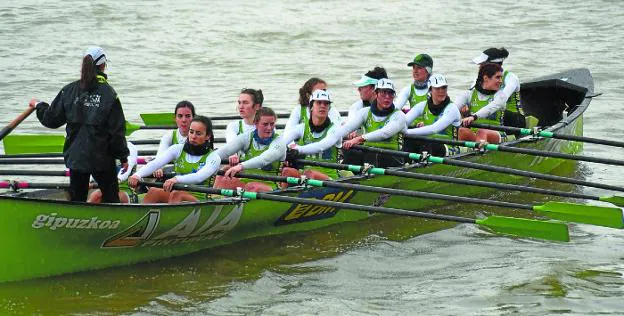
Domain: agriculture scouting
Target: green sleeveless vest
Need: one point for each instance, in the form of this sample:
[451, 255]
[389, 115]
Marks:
[495, 118]
[513, 103]
[370, 125]
[414, 99]
[329, 155]
[428, 118]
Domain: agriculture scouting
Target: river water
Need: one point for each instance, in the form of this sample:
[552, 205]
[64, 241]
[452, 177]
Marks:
[165, 51]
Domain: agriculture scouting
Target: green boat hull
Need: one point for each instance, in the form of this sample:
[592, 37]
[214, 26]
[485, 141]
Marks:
[43, 237]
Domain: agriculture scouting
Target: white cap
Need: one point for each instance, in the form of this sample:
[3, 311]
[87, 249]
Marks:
[365, 81]
[385, 83]
[320, 95]
[437, 81]
[97, 53]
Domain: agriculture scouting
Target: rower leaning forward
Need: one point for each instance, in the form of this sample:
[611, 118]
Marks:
[382, 123]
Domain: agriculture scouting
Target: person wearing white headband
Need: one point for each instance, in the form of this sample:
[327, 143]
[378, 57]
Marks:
[95, 128]
[366, 89]
[509, 93]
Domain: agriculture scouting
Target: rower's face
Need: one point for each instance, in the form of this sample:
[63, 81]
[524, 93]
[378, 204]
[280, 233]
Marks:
[320, 108]
[183, 117]
[246, 108]
[197, 134]
[494, 82]
[438, 95]
[367, 92]
[265, 126]
[419, 73]
[384, 98]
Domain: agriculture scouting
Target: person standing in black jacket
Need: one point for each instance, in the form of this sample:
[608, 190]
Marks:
[95, 128]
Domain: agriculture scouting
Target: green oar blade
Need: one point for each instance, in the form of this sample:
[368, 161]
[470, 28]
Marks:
[588, 214]
[158, 118]
[613, 199]
[31, 144]
[523, 227]
[131, 128]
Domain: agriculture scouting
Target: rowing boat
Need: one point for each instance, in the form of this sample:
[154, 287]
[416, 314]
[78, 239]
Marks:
[44, 237]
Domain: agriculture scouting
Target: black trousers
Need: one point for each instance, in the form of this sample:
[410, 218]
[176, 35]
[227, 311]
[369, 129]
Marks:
[106, 180]
[418, 146]
[359, 157]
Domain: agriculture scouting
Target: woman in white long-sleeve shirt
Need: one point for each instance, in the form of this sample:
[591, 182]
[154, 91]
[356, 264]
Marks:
[249, 101]
[509, 93]
[437, 117]
[195, 162]
[382, 123]
[184, 113]
[263, 150]
[301, 112]
[477, 104]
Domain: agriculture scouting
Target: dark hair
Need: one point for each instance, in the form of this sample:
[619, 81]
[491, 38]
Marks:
[256, 95]
[208, 123]
[184, 104]
[88, 73]
[496, 53]
[264, 111]
[306, 90]
[487, 70]
[377, 73]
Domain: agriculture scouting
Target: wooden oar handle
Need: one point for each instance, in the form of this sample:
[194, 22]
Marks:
[7, 129]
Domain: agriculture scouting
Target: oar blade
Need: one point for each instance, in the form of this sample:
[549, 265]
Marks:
[580, 213]
[613, 199]
[30, 144]
[150, 119]
[528, 228]
[131, 128]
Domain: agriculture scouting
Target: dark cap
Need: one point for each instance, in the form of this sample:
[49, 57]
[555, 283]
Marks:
[423, 60]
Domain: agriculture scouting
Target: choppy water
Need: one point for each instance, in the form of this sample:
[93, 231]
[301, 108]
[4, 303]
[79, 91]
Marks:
[165, 51]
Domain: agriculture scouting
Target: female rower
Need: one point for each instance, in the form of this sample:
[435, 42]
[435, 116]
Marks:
[122, 176]
[477, 104]
[382, 123]
[195, 161]
[437, 116]
[366, 89]
[249, 102]
[422, 67]
[509, 93]
[184, 113]
[301, 113]
[309, 134]
[262, 150]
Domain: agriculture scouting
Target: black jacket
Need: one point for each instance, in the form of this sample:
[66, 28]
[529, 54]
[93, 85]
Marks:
[95, 125]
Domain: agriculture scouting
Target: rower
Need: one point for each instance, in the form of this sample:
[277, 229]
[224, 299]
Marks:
[476, 104]
[509, 93]
[309, 134]
[366, 89]
[122, 176]
[184, 113]
[249, 101]
[263, 150]
[301, 113]
[195, 162]
[437, 117]
[383, 124]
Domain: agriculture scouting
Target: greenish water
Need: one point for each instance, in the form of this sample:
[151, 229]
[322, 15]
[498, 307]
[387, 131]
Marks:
[165, 51]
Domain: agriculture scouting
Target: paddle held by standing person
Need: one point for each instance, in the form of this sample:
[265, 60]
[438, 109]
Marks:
[95, 128]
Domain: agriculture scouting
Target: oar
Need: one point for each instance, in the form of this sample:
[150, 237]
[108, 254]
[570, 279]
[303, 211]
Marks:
[46, 161]
[13, 124]
[131, 127]
[503, 225]
[169, 118]
[60, 154]
[526, 151]
[547, 134]
[157, 141]
[613, 199]
[15, 185]
[45, 173]
[42, 145]
[474, 165]
[571, 212]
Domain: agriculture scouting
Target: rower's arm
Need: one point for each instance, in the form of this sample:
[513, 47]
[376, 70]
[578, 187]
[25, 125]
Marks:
[401, 99]
[331, 139]
[276, 151]
[293, 119]
[166, 141]
[294, 133]
[161, 159]
[236, 145]
[132, 161]
[396, 124]
[334, 116]
[450, 116]
[415, 112]
[213, 162]
[462, 99]
[231, 131]
[512, 84]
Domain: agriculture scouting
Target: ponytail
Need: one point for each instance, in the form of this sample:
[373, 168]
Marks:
[88, 73]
